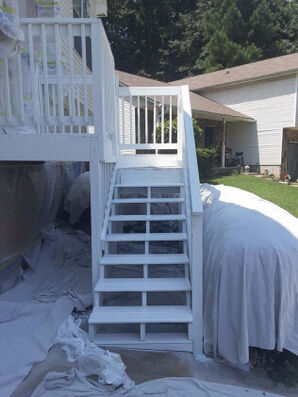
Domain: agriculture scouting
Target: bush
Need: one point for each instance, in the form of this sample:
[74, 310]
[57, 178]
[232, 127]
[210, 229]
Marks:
[207, 160]
[282, 367]
[198, 132]
[166, 131]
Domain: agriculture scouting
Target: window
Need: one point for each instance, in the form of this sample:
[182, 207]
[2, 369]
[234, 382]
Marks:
[81, 9]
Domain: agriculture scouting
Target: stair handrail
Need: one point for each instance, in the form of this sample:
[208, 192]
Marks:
[195, 223]
[108, 204]
[191, 157]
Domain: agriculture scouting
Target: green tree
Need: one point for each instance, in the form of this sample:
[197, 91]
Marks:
[172, 39]
[144, 35]
[244, 31]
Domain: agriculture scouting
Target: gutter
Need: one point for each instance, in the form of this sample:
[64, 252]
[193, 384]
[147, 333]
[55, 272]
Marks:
[245, 81]
[220, 116]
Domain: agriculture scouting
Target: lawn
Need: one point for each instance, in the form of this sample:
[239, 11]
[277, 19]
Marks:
[283, 195]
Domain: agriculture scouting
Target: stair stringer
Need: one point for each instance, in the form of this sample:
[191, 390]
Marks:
[167, 341]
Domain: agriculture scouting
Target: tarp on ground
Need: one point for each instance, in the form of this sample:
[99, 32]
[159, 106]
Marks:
[58, 280]
[250, 274]
[73, 384]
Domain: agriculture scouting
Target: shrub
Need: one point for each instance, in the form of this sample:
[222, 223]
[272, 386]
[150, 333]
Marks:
[207, 160]
[166, 131]
[198, 132]
[282, 366]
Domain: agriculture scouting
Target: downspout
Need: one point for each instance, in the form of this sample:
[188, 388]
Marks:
[223, 144]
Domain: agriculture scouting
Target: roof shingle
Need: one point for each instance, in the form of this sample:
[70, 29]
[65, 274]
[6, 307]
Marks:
[199, 103]
[252, 71]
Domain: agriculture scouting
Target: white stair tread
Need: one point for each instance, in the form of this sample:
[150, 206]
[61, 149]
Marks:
[140, 314]
[142, 284]
[146, 237]
[147, 200]
[148, 184]
[127, 218]
[131, 338]
[151, 259]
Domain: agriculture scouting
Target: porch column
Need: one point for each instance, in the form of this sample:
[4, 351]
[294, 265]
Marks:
[223, 144]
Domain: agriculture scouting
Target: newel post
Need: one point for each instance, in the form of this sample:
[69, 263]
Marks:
[98, 86]
[97, 149]
[197, 281]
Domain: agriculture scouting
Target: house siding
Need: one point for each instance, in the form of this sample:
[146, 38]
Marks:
[127, 137]
[67, 11]
[272, 103]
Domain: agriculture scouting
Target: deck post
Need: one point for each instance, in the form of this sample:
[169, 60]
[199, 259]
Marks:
[98, 86]
[96, 198]
[179, 124]
[197, 282]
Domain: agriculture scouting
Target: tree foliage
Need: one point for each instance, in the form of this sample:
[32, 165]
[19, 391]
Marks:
[171, 39]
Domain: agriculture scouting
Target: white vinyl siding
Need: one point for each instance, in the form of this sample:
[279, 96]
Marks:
[272, 104]
[66, 7]
[129, 137]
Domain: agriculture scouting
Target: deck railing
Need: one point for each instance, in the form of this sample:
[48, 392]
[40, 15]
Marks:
[147, 120]
[158, 120]
[62, 80]
[194, 215]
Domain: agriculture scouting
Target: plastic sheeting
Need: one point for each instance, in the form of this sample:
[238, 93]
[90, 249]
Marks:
[58, 280]
[10, 33]
[78, 197]
[250, 274]
[29, 200]
[87, 359]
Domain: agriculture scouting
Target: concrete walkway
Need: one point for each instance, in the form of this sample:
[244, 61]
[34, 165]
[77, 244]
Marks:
[144, 366]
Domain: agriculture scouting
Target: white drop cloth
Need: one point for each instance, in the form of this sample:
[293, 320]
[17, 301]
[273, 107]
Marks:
[73, 384]
[190, 387]
[30, 313]
[250, 274]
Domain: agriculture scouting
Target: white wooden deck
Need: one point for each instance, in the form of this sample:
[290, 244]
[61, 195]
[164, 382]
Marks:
[143, 173]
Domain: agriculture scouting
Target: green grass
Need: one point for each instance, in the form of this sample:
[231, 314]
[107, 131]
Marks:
[283, 195]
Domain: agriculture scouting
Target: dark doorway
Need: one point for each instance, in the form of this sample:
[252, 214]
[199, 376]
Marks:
[292, 160]
[209, 136]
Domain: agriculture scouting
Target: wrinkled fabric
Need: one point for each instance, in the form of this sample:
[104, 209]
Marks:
[10, 32]
[29, 201]
[250, 274]
[78, 197]
[190, 387]
[73, 384]
[89, 359]
[58, 280]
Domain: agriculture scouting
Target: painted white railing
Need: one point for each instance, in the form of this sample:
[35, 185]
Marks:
[147, 119]
[62, 81]
[194, 212]
[159, 120]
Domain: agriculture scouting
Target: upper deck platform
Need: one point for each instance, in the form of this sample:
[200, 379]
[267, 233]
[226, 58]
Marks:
[58, 97]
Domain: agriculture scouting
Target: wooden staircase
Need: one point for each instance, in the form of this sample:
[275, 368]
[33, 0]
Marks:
[143, 295]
